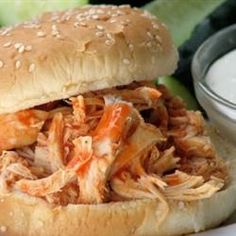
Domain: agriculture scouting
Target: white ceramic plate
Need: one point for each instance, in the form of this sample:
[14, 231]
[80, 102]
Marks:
[228, 229]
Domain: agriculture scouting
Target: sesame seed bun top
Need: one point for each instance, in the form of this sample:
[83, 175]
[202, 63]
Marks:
[67, 53]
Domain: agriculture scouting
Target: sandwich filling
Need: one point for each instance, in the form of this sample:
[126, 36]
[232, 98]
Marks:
[130, 142]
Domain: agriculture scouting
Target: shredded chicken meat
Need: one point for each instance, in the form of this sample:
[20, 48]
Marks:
[130, 142]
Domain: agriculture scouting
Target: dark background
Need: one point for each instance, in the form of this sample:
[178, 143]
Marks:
[220, 18]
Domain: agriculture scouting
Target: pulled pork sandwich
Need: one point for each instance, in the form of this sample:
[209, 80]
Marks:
[89, 144]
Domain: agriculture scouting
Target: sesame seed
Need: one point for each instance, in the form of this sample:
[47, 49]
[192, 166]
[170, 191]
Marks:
[60, 21]
[3, 33]
[6, 31]
[149, 35]
[88, 17]
[1, 65]
[21, 49]
[31, 68]
[114, 15]
[100, 11]
[18, 64]
[113, 20]
[28, 48]
[109, 36]
[149, 44]
[99, 27]
[58, 36]
[17, 45]
[120, 13]
[27, 26]
[83, 23]
[108, 42]
[80, 16]
[41, 34]
[67, 18]
[76, 24]
[2, 200]
[99, 34]
[91, 11]
[11, 213]
[126, 61]
[95, 17]
[131, 47]
[3, 228]
[55, 31]
[54, 27]
[157, 37]
[6, 45]
[155, 26]
[148, 15]
[32, 26]
[212, 164]
[159, 47]
[163, 25]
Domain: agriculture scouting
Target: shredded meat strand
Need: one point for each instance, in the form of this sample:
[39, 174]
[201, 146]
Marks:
[129, 142]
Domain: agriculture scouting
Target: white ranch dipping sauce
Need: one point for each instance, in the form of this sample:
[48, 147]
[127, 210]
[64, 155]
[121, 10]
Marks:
[221, 77]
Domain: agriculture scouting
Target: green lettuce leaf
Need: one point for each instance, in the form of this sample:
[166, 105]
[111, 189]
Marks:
[178, 89]
[181, 16]
[15, 11]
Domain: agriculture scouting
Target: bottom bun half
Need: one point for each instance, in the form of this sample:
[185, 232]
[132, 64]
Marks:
[24, 215]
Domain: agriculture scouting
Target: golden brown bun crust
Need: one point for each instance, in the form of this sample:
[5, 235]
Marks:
[67, 53]
[23, 215]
